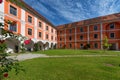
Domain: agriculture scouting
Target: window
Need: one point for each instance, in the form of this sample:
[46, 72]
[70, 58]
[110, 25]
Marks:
[51, 37]
[81, 29]
[13, 10]
[112, 26]
[60, 32]
[52, 30]
[29, 31]
[95, 28]
[95, 36]
[70, 31]
[112, 35]
[95, 45]
[60, 39]
[30, 19]
[81, 37]
[70, 45]
[13, 27]
[40, 34]
[81, 45]
[60, 45]
[70, 38]
[40, 24]
[47, 36]
[46, 27]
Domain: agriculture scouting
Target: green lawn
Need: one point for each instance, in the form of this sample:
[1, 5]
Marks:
[82, 68]
[74, 68]
[77, 52]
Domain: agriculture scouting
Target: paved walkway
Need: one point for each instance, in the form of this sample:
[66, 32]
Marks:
[21, 57]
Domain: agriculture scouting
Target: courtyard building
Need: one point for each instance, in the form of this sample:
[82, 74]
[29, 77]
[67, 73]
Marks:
[76, 35]
[30, 24]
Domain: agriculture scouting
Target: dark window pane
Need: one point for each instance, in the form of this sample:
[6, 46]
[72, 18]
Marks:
[95, 45]
[81, 29]
[47, 36]
[60, 45]
[46, 27]
[60, 39]
[60, 32]
[81, 37]
[52, 30]
[70, 38]
[112, 35]
[40, 24]
[112, 26]
[81, 45]
[29, 31]
[70, 45]
[13, 27]
[51, 37]
[40, 34]
[13, 10]
[30, 19]
[95, 36]
[95, 28]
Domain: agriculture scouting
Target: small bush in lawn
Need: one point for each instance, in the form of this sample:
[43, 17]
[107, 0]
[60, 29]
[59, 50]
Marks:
[87, 46]
[106, 45]
[36, 48]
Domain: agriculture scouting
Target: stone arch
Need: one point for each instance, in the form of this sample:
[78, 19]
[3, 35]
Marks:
[52, 45]
[40, 45]
[107, 25]
[13, 45]
[55, 46]
[46, 46]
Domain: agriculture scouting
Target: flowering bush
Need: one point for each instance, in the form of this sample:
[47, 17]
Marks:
[26, 42]
[7, 64]
[1, 1]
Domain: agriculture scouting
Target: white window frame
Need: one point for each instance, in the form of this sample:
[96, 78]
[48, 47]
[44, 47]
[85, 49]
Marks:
[9, 10]
[16, 28]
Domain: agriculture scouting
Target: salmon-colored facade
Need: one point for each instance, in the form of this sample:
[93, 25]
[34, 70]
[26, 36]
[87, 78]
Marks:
[29, 23]
[77, 35]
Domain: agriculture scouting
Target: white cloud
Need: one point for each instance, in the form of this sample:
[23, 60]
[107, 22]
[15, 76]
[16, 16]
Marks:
[75, 10]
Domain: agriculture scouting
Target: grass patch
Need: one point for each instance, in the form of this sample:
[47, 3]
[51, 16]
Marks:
[76, 52]
[90, 68]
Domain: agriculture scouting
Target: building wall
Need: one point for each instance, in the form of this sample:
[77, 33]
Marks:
[67, 35]
[103, 29]
[21, 20]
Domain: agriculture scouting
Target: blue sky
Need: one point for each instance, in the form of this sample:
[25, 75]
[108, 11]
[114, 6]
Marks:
[66, 11]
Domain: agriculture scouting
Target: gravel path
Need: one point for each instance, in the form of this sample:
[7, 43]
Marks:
[27, 56]
[21, 57]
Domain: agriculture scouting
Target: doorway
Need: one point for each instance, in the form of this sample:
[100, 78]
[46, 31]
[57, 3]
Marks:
[113, 46]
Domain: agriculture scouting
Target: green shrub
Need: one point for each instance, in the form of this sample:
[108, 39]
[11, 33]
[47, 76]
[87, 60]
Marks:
[2, 47]
[87, 46]
[36, 47]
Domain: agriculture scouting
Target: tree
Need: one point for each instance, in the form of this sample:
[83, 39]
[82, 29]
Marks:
[106, 45]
